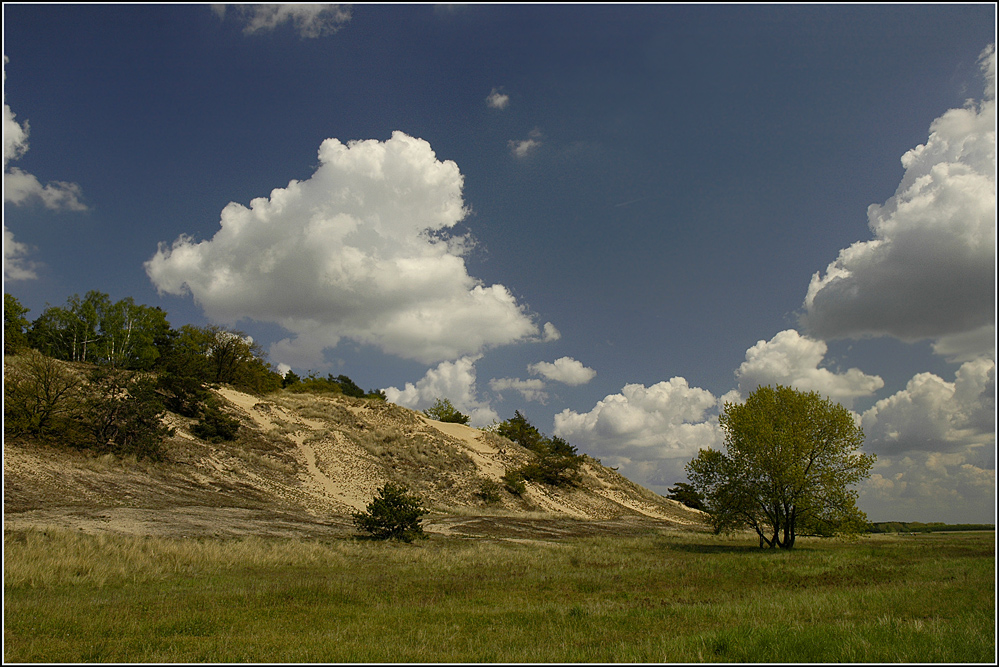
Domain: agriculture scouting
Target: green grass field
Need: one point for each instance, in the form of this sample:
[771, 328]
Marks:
[674, 597]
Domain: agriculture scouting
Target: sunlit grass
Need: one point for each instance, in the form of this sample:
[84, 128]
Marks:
[676, 598]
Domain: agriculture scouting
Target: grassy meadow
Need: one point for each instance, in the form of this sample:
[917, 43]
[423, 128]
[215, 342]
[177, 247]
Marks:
[674, 597]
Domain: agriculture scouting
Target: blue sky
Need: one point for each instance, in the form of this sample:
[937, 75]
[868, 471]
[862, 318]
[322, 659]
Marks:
[635, 213]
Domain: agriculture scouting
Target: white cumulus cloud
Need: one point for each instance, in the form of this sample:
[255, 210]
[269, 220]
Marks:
[453, 380]
[935, 442]
[497, 100]
[931, 414]
[310, 20]
[20, 187]
[793, 360]
[531, 390]
[930, 486]
[666, 420]
[565, 370]
[929, 271]
[357, 251]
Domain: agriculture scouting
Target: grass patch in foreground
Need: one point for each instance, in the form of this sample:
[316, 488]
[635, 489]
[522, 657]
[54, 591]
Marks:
[675, 598]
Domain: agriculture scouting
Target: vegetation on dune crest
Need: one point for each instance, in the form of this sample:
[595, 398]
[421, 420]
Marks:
[101, 375]
[443, 411]
[556, 462]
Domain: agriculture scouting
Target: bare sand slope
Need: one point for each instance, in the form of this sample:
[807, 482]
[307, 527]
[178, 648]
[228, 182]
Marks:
[301, 465]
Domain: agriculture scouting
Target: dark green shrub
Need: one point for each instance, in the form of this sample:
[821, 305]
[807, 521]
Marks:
[183, 394]
[552, 469]
[215, 425]
[290, 378]
[489, 491]
[393, 514]
[443, 411]
[686, 494]
[14, 325]
[520, 431]
[122, 412]
[514, 482]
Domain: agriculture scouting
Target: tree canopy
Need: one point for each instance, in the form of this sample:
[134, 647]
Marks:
[790, 461]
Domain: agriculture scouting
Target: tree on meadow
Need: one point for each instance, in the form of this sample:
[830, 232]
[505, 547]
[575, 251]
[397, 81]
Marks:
[791, 459]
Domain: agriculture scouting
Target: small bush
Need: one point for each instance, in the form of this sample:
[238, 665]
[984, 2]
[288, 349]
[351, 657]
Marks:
[489, 491]
[514, 482]
[215, 425]
[443, 411]
[393, 514]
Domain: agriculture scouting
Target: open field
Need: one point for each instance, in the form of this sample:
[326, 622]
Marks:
[665, 595]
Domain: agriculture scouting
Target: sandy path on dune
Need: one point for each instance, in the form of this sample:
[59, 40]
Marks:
[336, 473]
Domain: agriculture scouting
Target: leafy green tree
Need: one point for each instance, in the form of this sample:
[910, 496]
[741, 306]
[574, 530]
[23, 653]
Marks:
[94, 329]
[14, 325]
[348, 386]
[38, 393]
[71, 332]
[123, 413]
[790, 460]
[686, 494]
[129, 333]
[184, 394]
[217, 355]
[257, 376]
[393, 514]
[443, 411]
[557, 462]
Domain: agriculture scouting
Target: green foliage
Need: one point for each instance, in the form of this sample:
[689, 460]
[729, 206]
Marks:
[552, 469]
[38, 394]
[215, 425]
[216, 355]
[686, 494]
[122, 412]
[256, 376]
[443, 411]
[513, 481]
[519, 430]
[94, 329]
[341, 384]
[489, 490]
[348, 387]
[393, 514]
[183, 394]
[14, 325]
[557, 462]
[290, 378]
[790, 462]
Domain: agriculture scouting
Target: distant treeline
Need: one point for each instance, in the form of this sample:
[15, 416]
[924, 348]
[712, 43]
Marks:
[93, 329]
[917, 527]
